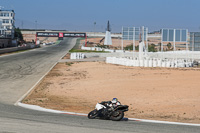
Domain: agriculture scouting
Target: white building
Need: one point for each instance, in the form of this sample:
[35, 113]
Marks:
[7, 23]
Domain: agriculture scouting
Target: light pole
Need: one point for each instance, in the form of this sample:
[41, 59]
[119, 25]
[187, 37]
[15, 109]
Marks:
[36, 32]
[36, 25]
[94, 27]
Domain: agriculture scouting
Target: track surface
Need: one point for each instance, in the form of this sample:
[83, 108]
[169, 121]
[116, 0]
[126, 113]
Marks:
[19, 72]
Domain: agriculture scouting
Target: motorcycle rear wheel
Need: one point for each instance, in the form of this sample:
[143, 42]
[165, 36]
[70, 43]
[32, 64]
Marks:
[117, 115]
[93, 114]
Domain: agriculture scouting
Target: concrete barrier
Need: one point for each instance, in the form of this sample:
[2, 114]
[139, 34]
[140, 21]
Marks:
[148, 62]
[78, 56]
[159, 63]
[154, 63]
[141, 63]
[163, 64]
[168, 63]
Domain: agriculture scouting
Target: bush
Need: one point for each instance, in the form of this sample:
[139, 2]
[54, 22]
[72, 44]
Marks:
[152, 48]
[102, 46]
[130, 47]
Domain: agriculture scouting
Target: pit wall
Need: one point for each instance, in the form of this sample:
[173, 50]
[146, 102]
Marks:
[5, 43]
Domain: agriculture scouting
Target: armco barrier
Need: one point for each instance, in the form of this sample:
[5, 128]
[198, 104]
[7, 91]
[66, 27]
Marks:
[8, 50]
[14, 49]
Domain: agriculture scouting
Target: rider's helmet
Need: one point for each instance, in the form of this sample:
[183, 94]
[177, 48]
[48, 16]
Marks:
[114, 100]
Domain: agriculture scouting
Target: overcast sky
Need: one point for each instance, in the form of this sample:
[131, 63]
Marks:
[80, 15]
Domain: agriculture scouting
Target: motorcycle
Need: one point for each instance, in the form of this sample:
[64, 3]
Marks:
[103, 111]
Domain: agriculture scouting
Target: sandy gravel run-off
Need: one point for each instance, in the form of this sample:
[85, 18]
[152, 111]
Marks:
[151, 93]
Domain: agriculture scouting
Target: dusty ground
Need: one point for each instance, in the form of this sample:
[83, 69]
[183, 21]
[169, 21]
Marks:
[67, 56]
[151, 93]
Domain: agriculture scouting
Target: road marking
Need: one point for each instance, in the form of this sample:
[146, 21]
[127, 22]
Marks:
[164, 122]
[38, 108]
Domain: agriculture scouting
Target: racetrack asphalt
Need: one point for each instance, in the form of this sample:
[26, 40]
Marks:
[19, 72]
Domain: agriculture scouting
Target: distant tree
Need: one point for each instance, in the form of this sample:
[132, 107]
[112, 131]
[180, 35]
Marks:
[102, 46]
[130, 47]
[159, 44]
[18, 34]
[152, 48]
[137, 48]
[169, 46]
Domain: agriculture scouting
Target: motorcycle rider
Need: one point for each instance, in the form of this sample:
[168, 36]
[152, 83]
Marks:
[112, 104]
[108, 110]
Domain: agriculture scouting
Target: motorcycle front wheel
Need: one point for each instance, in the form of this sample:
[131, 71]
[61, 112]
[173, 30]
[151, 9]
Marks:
[117, 115]
[93, 114]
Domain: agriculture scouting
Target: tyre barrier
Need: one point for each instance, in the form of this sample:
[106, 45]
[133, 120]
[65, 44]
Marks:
[169, 63]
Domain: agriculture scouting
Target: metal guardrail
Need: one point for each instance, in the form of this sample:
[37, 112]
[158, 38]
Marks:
[14, 49]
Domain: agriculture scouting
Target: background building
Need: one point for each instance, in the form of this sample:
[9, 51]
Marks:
[7, 23]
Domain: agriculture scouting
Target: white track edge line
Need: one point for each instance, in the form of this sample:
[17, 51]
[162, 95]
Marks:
[164, 122]
[38, 108]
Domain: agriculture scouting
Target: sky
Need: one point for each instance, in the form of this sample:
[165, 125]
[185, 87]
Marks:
[81, 15]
